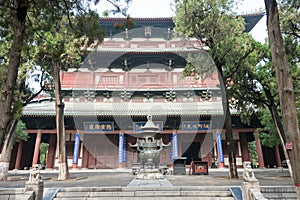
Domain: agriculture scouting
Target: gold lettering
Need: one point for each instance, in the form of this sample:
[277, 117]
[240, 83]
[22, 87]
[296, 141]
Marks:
[91, 127]
[108, 127]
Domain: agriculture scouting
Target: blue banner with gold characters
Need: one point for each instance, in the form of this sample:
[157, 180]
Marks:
[76, 148]
[195, 125]
[94, 127]
[220, 150]
[138, 125]
[125, 148]
[121, 146]
[175, 145]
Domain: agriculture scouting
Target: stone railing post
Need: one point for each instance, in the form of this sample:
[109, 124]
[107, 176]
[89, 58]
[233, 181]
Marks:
[250, 185]
[35, 182]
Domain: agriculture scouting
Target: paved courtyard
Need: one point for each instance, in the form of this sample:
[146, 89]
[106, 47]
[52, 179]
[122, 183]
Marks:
[122, 177]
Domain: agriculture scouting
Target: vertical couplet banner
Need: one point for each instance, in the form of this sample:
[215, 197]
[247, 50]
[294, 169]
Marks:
[125, 148]
[171, 148]
[121, 146]
[220, 150]
[175, 145]
[76, 148]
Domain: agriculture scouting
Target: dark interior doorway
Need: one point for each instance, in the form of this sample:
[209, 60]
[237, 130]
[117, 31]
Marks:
[192, 152]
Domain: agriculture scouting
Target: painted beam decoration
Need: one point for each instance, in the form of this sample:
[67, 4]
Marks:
[138, 125]
[95, 127]
[195, 125]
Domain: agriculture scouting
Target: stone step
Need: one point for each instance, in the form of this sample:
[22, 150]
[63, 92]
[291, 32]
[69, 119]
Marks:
[279, 192]
[191, 193]
[172, 188]
[144, 193]
[16, 194]
[149, 198]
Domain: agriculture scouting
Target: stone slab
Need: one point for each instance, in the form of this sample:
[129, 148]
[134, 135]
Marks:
[150, 183]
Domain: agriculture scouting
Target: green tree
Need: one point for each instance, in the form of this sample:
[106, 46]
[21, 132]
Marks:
[20, 23]
[222, 31]
[253, 153]
[21, 134]
[43, 153]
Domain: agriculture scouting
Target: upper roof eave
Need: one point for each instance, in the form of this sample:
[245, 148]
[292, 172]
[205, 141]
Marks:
[147, 50]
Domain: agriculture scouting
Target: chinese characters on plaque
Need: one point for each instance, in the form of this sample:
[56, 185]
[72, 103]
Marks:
[92, 127]
[195, 125]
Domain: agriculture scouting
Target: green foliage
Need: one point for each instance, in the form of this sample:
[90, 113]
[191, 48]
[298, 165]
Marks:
[234, 52]
[88, 26]
[43, 152]
[54, 29]
[268, 134]
[5, 44]
[253, 153]
[192, 67]
[245, 64]
[128, 23]
[21, 134]
[218, 28]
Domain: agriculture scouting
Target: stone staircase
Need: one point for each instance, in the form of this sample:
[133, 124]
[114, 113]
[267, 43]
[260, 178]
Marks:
[16, 194]
[145, 193]
[279, 192]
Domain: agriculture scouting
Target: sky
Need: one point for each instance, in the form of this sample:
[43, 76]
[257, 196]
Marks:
[162, 8]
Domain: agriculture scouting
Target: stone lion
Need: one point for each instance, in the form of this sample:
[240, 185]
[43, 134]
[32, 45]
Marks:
[248, 173]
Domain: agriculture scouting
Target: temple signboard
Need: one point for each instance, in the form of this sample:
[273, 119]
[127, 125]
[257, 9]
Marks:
[196, 125]
[95, 127]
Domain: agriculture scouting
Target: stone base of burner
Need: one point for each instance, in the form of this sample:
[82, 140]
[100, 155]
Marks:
[148, 176]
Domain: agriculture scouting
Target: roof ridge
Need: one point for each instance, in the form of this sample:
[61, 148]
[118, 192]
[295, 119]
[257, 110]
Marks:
[134, 18]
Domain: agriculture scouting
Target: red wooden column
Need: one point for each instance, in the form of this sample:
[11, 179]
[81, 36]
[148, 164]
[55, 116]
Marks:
[126, 79]
[244, 147]
[259, 151]
[85, 157]
[277, 155]
[51, 151]
[37, 147]
[19, 155]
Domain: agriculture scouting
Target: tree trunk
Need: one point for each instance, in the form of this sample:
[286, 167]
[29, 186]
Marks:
[8, 84]
[63, 173]
[279, 127]
[5, 155]
[285, 89]
[230, 144]
[233, 174]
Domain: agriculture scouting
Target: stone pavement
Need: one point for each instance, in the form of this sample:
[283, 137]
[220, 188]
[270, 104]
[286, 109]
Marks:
[122, 177]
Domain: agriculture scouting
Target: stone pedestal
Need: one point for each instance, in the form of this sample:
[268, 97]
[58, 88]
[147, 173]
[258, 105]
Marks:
[247, 186]
[149, 176]
[35, 183]
[4, 170]
[250, 185]
[37, 188]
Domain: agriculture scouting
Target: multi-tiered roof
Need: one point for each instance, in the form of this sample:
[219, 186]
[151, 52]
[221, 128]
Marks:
[138, 72]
